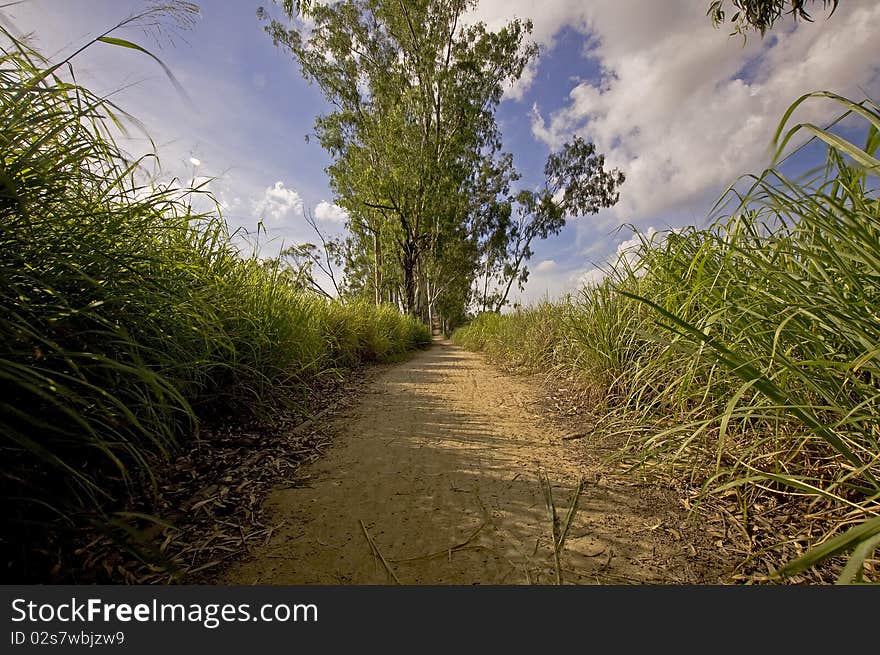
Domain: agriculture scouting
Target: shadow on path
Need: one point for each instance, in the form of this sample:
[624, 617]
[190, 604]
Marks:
[440, 462]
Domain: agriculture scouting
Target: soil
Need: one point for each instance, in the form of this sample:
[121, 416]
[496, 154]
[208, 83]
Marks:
[434, 477]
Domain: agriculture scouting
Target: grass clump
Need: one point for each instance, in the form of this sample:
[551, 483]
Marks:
[127, 319]
[745, 357]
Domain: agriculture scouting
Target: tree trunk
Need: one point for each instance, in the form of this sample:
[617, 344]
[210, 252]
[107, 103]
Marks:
[503, 299]
[377, 263]
[408, 263]
[430, 318]
[430, 293]
[486, 285]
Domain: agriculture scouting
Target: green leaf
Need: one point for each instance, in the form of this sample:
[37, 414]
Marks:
[839, 544]
[123, 43]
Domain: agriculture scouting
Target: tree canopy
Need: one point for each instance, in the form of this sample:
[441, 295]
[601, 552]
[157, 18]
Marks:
[761, 15]
[435, 222]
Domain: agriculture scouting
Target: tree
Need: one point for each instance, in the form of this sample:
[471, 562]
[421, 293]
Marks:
[300, 263]
[576, 184]
[761, 15]
[417, 158]
[414, 94]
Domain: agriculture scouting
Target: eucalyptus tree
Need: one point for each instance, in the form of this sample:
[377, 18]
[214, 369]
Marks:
[575, 184]
[417, 158]
[413, 91]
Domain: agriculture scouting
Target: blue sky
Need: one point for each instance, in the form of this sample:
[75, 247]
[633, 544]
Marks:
[676, 104]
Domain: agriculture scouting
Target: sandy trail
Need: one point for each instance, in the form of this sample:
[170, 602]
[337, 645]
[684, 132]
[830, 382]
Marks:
[439, 461]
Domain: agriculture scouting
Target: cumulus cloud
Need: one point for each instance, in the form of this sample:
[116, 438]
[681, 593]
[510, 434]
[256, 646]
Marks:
[556, 281]
[591, 276]
[227, 199]
[517, 89]
[682, 108]
[278, 203]
[627, 253]
[330, 213]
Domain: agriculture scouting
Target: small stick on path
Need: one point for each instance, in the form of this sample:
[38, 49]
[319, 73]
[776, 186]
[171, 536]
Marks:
[559, 532]
[378, 553]
[451, 549]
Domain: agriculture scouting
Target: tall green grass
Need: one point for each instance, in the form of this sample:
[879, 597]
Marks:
[126, 319]
[744, 356]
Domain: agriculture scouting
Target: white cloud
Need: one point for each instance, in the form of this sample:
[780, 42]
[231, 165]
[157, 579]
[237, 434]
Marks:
[539, 126]
[330, 213]
[591, 277]
[517, 89]
[278, 203]
[628, 251]
[674, 109]
[548, 281]
[226, 197]
[554, 281]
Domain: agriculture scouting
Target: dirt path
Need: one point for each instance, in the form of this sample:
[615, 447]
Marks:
[438, 465]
